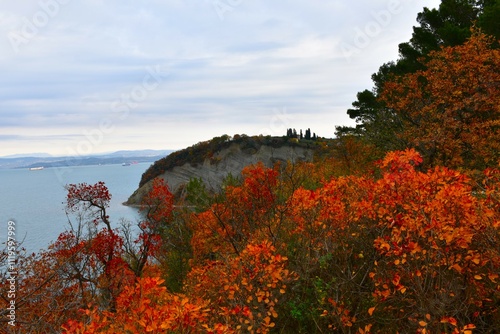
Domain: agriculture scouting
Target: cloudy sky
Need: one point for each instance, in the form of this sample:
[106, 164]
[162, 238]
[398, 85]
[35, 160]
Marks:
[81, 77]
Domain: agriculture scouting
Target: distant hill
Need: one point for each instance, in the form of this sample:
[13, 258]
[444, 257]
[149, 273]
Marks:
[27, 155]
[137, 153]
[213, 160]
[101, 159]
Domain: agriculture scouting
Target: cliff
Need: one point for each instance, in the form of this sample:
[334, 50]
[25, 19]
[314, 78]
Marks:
[223, 158]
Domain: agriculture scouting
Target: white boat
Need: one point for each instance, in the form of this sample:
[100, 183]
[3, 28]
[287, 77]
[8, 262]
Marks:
[36, 168]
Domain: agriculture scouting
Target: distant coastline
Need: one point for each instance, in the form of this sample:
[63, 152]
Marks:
[120, 157]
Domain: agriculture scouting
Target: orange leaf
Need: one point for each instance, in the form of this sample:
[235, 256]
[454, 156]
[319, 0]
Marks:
[493, 277]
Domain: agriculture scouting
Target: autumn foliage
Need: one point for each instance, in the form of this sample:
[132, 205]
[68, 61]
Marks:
[398, 250]
[399, 245]
[450, 111]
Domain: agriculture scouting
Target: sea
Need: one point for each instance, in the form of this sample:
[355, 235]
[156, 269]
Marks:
[33, 201]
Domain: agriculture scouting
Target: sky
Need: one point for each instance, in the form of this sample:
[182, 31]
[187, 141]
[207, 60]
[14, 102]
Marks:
[95, 76]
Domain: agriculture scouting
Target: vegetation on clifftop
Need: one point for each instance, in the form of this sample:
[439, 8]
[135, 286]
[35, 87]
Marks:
[204, 150]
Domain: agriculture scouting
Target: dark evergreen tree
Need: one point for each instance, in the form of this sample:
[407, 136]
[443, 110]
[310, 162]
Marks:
[449, 25]
[489, 20]
[308, 134]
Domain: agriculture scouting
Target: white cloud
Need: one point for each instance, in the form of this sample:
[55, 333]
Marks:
[227, 73]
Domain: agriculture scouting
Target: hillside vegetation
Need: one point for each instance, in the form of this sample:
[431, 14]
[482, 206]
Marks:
[202, 151]
[394, 227]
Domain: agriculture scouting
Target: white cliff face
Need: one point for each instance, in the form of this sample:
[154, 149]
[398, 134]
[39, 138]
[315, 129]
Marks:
[227, 161]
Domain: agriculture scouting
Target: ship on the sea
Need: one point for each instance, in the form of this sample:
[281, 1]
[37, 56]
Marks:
[36, 168]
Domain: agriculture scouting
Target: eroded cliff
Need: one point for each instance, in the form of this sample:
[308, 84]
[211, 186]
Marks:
[229, 160]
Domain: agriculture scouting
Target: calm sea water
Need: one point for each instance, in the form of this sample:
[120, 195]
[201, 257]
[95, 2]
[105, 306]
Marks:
[34, 199]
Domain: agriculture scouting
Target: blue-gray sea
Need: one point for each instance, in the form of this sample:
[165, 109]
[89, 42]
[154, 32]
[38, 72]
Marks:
[34, 200]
